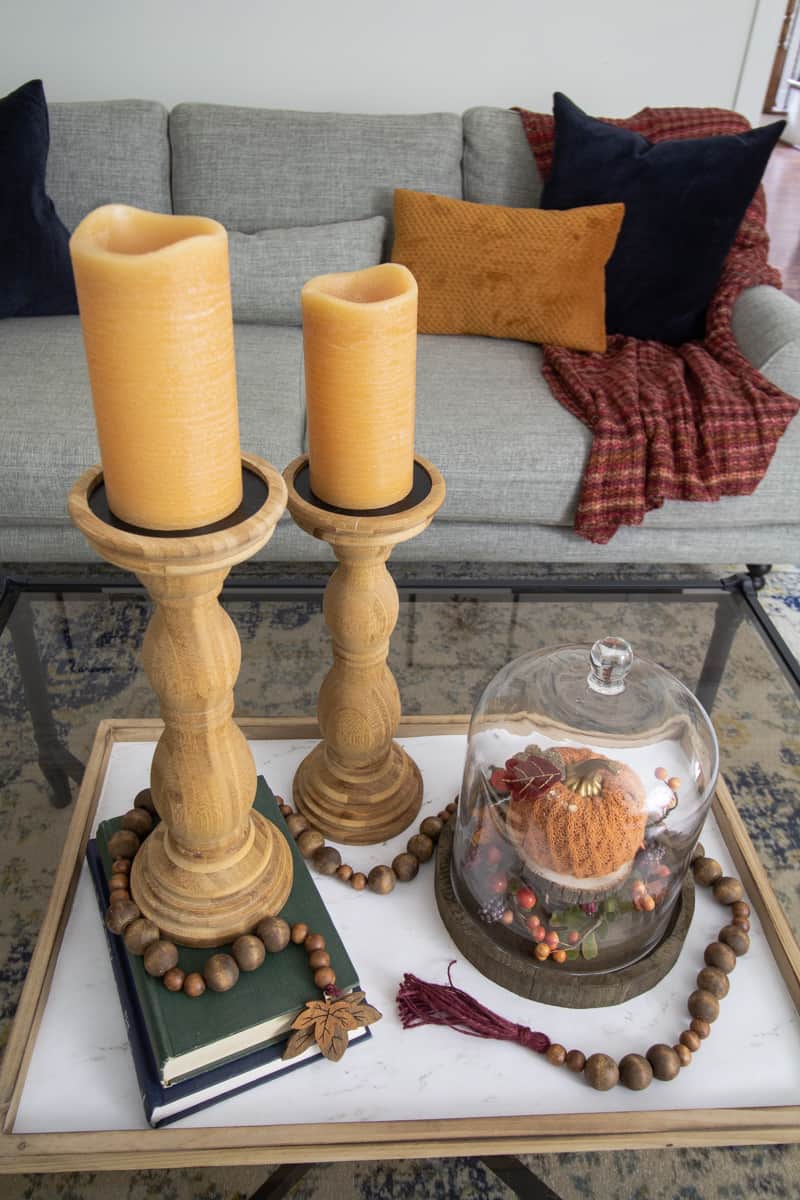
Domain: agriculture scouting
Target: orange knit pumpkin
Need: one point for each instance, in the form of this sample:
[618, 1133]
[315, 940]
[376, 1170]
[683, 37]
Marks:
[582, 836]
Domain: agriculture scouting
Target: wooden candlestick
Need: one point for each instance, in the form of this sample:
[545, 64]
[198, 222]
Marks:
[358, 786]
[212, 867]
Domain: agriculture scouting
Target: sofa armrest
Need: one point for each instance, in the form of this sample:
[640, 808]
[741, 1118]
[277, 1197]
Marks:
[766, 326]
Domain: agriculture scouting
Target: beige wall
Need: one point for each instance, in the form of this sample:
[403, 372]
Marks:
[611, 57]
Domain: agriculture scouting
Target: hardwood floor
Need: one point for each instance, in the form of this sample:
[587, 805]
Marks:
[782, 185]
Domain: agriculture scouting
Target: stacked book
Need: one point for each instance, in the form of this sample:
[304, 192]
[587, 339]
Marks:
[191, 1053]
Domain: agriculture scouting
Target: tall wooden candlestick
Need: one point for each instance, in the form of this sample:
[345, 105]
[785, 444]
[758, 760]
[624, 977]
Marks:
[212, 867]
[358, 786]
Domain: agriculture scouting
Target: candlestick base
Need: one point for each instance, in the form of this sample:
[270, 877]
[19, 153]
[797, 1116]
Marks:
[358, 786]
[213, 867]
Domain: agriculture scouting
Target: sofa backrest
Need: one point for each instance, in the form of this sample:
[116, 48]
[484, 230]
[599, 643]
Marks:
[104, 152]
[254, 168]
[499, 167]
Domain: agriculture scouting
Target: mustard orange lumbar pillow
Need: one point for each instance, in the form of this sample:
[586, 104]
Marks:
[523, 273]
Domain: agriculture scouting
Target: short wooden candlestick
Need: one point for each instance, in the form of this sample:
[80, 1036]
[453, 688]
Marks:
[358, 786]
[212, 867]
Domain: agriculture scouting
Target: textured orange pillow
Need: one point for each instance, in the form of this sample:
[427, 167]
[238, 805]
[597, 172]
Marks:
[524, 273]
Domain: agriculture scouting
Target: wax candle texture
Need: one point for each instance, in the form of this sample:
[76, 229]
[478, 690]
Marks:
[155, 306]
[360, 340]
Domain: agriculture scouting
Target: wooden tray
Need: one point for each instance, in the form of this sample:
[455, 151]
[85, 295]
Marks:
[320, 1142]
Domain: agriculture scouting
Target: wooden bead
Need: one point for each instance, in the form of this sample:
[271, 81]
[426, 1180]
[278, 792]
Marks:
[274, 933]
[160, 957]
[324, 977]
[120, 916]
[119, 896]
[700, 1027]
[742, 923]
[635, 1072]
[327, 860]
[249, 952]
[444, 816]
[174, 979]
[451, 807]
[556, 1054]
[684, 1054]
[296, 824]
[194, 984]
[139, 821]
[711, 979]
[140, 934]
[299, 933]
[405, 867]
[740, 909]
[690, 1040]
[735, 937]
[314, 941]
[421, 846]
[286, 810]
[144, 799]
[706, 871]
[664, 1061]
[123, 844]
[344, 872]
[728, 890]
[309, 841]
[703, 1005]
[431, 827]
[381, 880]
[575, 1060]
[220, 972]
[358, 881]
[118, 880]
[122, 866]
[319, 958]
[601, 1072]
[717, 954]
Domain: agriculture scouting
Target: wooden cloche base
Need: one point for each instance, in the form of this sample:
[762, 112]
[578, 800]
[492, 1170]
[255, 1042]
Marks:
[543, 981]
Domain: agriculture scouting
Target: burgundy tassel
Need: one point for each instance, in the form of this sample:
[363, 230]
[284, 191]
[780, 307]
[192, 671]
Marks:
[423, 1003]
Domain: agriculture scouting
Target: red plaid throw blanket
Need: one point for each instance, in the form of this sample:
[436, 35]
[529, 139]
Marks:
[691, 422]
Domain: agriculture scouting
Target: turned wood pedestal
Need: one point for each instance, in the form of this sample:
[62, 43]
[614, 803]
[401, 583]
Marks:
[358, 786]
[213, 867]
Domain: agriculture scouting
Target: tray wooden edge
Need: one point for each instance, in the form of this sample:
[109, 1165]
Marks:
[224, 1146]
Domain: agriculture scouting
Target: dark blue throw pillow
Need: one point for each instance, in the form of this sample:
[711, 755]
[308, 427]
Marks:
[35, 269]
[684, 202]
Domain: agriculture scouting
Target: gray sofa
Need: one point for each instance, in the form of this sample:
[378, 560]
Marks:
[477, 398]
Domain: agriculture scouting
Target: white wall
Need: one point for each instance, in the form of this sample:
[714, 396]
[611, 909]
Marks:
[611, 57]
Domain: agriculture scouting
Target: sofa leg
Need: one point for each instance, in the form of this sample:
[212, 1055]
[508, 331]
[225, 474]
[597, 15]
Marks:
[758, 573]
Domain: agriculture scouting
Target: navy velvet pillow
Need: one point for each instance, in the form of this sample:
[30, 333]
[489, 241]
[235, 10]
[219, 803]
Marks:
[684, 201]
[35, 269]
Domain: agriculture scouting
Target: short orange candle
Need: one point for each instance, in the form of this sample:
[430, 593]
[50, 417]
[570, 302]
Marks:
[155, 304]
[360, 338]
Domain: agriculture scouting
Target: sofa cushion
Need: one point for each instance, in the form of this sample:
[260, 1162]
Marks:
[108, 152]
[499, 167]
[257, 169]
[684, 201]
[507, 272]
[49, 422]
[268, 269]
[35, 270]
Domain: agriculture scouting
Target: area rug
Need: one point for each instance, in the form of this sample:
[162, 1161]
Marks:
[442, 654]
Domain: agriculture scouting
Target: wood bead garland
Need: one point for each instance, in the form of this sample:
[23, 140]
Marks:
[422, 1003]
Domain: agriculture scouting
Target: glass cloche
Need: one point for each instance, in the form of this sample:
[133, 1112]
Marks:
[588, 777]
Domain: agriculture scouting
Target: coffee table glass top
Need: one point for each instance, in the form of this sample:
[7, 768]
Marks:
[70, 658]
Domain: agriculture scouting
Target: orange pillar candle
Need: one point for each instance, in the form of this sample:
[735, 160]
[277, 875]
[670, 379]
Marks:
[155, 304]
[360, 339]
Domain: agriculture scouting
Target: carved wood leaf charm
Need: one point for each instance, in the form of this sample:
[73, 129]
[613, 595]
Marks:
[327, 1023]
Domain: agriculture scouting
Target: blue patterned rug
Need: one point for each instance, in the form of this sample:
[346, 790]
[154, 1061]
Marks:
[93, 671]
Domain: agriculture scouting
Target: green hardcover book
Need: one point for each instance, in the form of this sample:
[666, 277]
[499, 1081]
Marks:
[188, 1036]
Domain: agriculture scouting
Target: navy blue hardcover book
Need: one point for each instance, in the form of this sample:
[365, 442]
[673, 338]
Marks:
[163, 1105]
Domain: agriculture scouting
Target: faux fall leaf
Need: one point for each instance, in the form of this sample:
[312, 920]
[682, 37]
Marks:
[528, 776]
[327, 1023]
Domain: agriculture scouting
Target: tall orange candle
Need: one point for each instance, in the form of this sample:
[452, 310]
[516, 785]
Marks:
[360, 339]
[155, 305]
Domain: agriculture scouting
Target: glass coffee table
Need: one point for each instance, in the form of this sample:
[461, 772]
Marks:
[70, 658]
